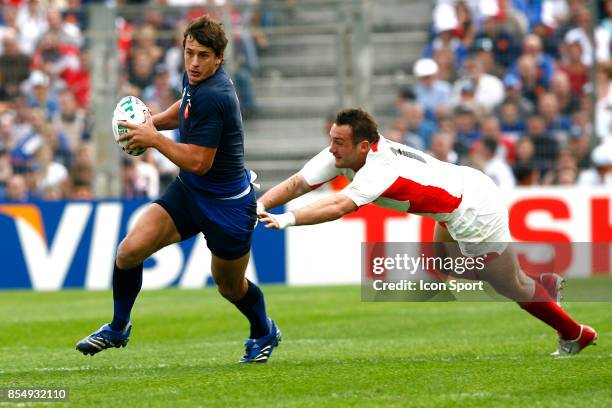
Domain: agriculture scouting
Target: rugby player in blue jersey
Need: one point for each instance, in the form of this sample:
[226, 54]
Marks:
[212, 195]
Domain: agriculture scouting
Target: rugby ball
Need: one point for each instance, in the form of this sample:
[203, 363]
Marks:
[132, 110]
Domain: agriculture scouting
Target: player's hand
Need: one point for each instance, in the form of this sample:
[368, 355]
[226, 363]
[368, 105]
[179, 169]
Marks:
[140, 136]
[277, 221]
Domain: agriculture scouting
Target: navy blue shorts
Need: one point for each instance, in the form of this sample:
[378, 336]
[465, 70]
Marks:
[227, 225]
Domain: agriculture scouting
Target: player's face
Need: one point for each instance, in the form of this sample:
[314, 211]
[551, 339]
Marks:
[346, 153]
[200, 61]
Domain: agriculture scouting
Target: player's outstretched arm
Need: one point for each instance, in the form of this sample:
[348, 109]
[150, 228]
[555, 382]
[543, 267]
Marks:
[282, 193]
[189, 157]
[326, 209]
[168, 119]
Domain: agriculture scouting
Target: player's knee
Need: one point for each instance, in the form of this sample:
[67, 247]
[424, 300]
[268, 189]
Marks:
[128, 254]
[512, 288]
[232, 291]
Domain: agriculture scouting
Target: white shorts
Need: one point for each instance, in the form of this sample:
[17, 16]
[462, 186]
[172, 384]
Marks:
[480, 223]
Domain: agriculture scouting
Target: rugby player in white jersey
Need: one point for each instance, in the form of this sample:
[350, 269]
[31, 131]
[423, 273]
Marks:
[465, 203]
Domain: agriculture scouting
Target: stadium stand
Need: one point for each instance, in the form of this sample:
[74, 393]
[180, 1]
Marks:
[490, 84]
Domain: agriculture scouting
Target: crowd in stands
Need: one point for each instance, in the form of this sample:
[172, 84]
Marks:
[518, 88]
[46, 119]
[511, 87]
[45, 126]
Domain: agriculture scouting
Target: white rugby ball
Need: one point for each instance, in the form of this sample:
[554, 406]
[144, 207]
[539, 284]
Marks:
[132, 110]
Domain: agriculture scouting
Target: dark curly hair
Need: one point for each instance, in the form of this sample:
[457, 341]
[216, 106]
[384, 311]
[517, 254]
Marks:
[362, 124]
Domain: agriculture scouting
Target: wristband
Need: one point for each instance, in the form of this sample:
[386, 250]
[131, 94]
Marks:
[285, 220]
[260, 207]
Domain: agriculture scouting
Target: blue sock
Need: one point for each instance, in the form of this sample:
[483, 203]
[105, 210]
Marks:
[126, 285]
[252, 305]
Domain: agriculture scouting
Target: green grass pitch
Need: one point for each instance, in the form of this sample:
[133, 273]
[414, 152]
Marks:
[336, 351]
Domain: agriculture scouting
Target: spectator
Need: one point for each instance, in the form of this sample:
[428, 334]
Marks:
[466, 27]
[606, 22]
[67, 32]
[530, 82]
[81, 180]
[532, 45]
[16, 189]
[483, 50]
[489, 89]
[601, 173]
[55, 138]
[554, 12]
[511, 120]
[576, 70]
[446, 65]
[54, 58]
[141, 179]
[154, 94]
[504, 46]
[597, 48]
[75, 14]
[491, 129]
[140, 71]
[14, 65]
[566, 170]
[526, 174]
[442, 147]
[509, 14]
[41, 95]
[557, 124]
[397, 131]
[560, 86]
[445, 23]
[467, 129]
[131, 189]
[161, 21]
[419, 130]
[431, 93]
[405, 94]
[8, 24]
[495, 166]
[81, 191]
[578, 145]
[467, 96]
[71, 119]
[78, 80]
[524, 170]
[53, 175]
[525, 151]
[32, 23]
[146, 43]
[546, 147]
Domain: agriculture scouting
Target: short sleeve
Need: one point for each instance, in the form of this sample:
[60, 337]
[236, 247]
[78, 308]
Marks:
[320, 169]
[207, 119]
[370, 182]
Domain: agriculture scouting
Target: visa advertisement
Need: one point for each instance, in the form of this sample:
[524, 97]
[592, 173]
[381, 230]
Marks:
[55, 245]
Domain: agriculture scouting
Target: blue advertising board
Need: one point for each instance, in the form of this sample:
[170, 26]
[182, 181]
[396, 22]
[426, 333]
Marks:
[72, 244]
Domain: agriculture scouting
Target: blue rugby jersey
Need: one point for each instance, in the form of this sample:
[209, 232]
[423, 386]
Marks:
[209, 116]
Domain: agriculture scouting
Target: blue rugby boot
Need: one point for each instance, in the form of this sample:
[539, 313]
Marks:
[104, 338]
[260, 350]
